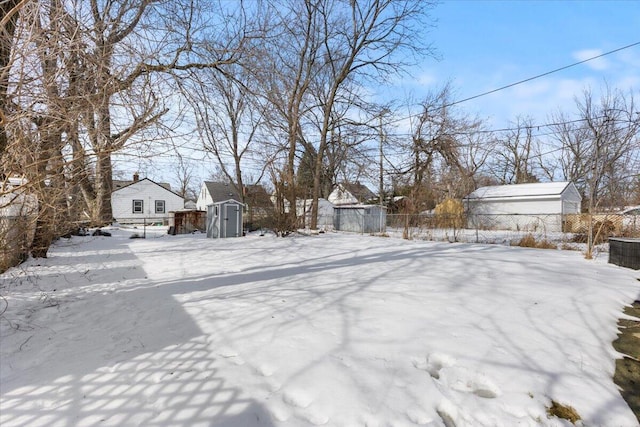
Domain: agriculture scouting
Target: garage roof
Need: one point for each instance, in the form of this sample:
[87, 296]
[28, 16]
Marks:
[537, 189]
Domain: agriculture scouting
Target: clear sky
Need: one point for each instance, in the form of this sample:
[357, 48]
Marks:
[484, 45]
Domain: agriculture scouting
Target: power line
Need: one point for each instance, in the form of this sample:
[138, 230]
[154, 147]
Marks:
[542, 75]
[410, 116]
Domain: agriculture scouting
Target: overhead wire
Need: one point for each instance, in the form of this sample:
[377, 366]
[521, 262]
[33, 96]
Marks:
[519, 82]
[543, 74]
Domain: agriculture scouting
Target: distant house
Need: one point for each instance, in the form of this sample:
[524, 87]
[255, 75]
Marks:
[143, 200]
[214, 192]
[351, 194]
[531, 207]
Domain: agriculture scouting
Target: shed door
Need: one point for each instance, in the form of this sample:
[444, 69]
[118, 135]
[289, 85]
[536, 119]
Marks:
[232, 220]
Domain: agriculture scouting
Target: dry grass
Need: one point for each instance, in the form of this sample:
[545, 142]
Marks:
[565, 412]
[569, 247]
[529, 241]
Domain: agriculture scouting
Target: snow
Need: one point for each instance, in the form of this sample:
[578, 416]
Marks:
[334, 329]
[519, 190]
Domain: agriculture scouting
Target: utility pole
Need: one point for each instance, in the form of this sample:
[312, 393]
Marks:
[381, 181]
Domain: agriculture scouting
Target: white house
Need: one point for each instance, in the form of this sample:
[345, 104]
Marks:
[351, 194]
[144, 200]
[215, 192]
[531, 207]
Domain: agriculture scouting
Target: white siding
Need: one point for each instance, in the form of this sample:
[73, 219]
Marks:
[571, 200]
[325, 212]
[339, 196]
[147, 191]
[204, 198]
[516, 206]
[532, 207]
[540, 215]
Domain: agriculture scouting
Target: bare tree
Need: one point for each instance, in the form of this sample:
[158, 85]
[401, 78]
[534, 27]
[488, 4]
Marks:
[442, 152]
[9, 11]
[183, 170]
[40, 116]
[516, 154]
[228, 118]
[84, 85]
[600, 150]
[379, 31]
[287, 65]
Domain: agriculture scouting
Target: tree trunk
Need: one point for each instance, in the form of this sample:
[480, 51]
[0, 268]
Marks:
[102, 213]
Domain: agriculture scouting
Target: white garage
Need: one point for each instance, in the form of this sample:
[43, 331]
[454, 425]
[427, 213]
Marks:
[528, 207]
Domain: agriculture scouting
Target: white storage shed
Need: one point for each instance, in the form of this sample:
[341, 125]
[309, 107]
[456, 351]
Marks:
[224, 219]
[529, 207]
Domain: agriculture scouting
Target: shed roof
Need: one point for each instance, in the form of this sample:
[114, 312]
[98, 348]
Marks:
[226, 202]
[538, 189]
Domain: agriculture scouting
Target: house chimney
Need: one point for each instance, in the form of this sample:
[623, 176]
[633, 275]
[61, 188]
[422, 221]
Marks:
[136, 177]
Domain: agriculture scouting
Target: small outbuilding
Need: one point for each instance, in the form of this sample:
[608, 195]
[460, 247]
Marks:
[360, 218]
[530, 207]
[187, 221]
[224, 219]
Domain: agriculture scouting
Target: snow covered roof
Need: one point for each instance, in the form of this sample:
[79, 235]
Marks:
[537, 189]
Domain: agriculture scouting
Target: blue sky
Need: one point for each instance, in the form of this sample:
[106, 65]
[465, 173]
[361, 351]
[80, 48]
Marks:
[484, 45]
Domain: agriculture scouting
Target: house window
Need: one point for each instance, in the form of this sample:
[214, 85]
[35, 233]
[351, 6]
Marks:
[159, 206]
[138, 206]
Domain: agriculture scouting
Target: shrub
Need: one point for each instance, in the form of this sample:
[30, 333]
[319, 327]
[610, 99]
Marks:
[529, 241]
[601, 232]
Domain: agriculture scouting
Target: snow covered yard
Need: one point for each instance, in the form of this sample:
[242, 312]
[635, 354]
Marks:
[337, 330]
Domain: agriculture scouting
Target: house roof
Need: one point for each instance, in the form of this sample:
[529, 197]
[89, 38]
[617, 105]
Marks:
[538, 189]
[120, 183]
[164, 186]
[359, 191]
[221, 191]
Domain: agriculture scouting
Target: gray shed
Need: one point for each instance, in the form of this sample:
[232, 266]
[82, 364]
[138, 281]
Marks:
[360, 218]
[224, 219]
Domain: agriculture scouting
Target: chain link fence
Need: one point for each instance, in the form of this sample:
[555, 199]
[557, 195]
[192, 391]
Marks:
[509, 229]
